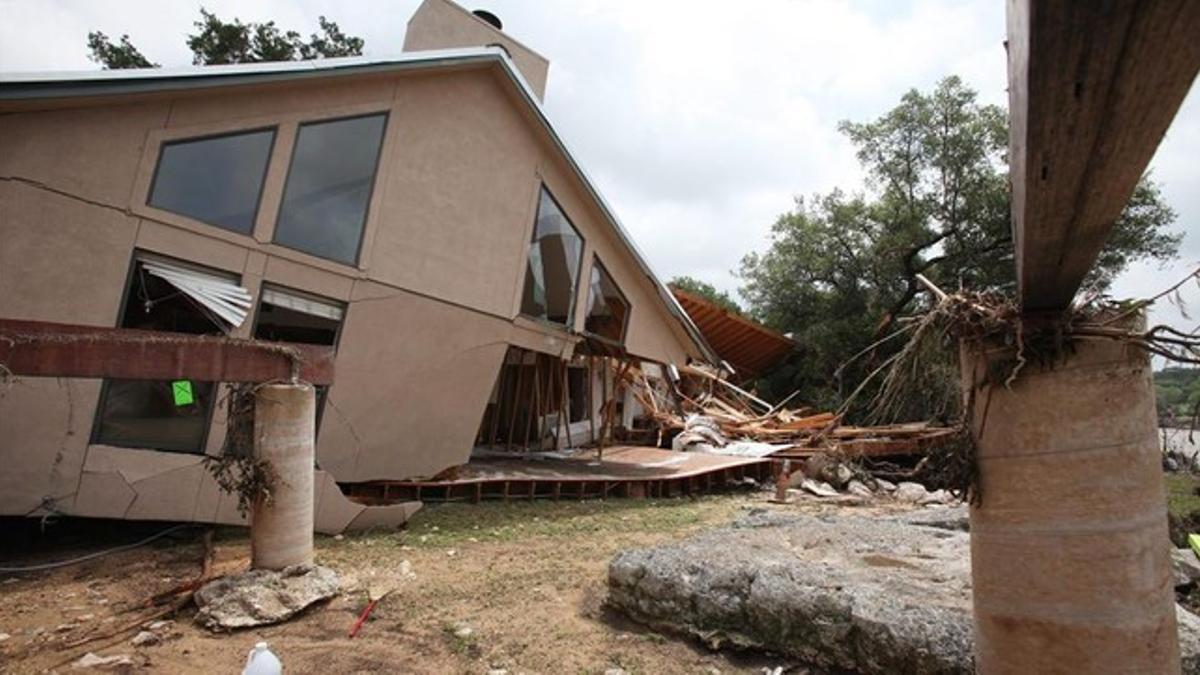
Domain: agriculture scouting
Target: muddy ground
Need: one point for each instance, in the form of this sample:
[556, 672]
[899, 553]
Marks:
[517, 586]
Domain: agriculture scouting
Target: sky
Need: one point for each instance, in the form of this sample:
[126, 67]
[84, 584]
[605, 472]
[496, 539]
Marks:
[699, 121]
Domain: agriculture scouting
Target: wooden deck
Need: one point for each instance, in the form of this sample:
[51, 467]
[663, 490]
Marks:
[625, 471]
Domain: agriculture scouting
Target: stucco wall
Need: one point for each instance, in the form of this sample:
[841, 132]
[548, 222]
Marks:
[439, 24]
[431, 304]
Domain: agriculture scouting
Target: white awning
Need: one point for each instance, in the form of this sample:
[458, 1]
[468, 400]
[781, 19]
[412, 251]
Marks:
[224, 298]
[302, 303]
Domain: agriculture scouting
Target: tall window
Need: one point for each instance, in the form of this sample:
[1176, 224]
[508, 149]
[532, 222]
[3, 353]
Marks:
[552, 266]
[217, 180]
[171, 415]
[291, 316]
[607, 308]
[329, 185]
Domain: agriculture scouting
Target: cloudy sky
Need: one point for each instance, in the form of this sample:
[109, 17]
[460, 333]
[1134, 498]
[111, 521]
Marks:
[699, 120]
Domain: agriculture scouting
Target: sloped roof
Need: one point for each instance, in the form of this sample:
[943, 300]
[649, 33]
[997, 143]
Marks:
[18, 90]
[749, 347]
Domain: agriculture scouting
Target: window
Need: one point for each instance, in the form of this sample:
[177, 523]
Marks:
[607, 308]
[161, 415]
[217, 180]
[291, 316]
[552, 266]
[329, 185]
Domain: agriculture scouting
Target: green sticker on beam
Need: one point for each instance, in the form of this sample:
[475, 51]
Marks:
[182, 390]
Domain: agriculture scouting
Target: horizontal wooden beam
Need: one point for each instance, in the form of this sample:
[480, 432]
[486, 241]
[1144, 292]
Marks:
[1093, 86]
[42, 349]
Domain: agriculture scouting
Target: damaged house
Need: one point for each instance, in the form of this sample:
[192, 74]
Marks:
[417, 213]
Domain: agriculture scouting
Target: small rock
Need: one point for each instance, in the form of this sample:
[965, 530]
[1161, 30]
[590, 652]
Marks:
[1185, 566]
[910, 492]
[4, 636]
[856, 487]
[339, 537]
[65, 627]
[463, 631]
[818, 489]
[451, 553]
[92, 660]
[616, 671]
[885, 485]
[935, 497]
[840, 476]
[160, 625]
[85, 617]
[497, 671]
[145, 638]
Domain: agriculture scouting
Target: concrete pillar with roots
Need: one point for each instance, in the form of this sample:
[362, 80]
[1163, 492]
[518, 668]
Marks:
[1069, 545]
[281, 528]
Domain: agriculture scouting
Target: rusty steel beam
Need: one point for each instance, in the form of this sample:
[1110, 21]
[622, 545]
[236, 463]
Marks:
[43, 349]
[1093, 86]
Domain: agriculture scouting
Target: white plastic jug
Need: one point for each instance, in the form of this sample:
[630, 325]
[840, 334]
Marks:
[260, 661]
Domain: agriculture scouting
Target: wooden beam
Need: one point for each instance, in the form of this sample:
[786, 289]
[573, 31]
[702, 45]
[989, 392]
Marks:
[1093, 86]
[42, 349]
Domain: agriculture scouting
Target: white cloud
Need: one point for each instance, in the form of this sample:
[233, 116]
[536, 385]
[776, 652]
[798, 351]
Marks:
[700, 120]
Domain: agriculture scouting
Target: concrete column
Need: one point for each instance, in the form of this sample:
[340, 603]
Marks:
[281, 533]
[1069, 549]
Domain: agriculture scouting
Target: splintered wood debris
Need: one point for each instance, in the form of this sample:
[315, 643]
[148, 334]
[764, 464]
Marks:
[717, 413]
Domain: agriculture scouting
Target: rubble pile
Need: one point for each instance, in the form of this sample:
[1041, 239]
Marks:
[706, 413]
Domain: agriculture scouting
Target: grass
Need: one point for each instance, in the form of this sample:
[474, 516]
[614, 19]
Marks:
[448, 525]
[1182, 499]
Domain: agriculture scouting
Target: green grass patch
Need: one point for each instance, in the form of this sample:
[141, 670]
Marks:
[1182, 499]
[448, 525]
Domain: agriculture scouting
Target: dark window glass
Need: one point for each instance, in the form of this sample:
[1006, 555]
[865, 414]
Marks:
[161, 415]
[552, 266]
[328, 187]
[607, 308]
[285, 316]
[217, 180]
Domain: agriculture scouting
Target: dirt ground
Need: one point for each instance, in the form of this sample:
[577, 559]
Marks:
[499, 586]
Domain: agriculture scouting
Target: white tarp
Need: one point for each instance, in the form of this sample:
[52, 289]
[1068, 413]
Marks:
[224, 298]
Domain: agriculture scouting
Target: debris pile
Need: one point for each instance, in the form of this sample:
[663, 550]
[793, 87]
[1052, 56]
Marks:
[707, 413]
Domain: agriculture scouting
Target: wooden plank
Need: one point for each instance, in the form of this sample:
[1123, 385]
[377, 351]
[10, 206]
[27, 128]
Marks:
[44, 349]
[1093, 86]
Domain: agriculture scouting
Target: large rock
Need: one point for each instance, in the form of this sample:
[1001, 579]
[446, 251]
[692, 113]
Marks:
[1185, 565]
[261, 597]
[844, 593]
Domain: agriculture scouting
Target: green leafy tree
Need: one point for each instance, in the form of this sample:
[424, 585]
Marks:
[707, 291]
[220, 42]
[116, 56]
[841, 268]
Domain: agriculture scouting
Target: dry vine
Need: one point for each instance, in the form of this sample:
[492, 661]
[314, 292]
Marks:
[991, 320]
[236, 469]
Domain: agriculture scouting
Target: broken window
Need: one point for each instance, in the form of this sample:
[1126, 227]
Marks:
[217, 180]
[329, 184]
[292, 316]
[171, 415]
[552, 266]
[607, 308]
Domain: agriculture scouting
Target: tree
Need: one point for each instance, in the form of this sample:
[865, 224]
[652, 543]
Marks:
[113, 57]
[707, 291]
[220, 42]
[841, 268]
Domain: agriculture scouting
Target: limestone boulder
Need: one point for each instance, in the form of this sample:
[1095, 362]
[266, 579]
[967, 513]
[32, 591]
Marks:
[263, 597]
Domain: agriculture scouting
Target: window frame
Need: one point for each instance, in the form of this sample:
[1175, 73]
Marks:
[629, 306]
[287, 179]
[570, 322]
[322, 397]
[262, 185]
[102, 398]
